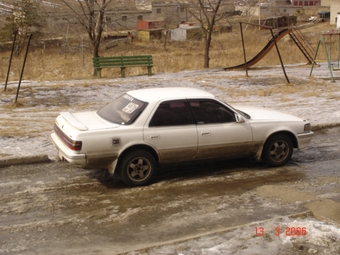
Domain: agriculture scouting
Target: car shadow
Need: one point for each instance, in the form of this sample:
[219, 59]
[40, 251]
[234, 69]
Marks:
[201, 169]
[179, 171]
[105, 178]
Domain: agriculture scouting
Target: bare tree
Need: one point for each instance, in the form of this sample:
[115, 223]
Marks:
[90, 15]
[207, 13]
[24, 19]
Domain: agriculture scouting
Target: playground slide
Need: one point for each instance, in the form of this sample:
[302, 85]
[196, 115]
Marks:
[264, 51]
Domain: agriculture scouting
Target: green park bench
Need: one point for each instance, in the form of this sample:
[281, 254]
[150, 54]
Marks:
[122, 62]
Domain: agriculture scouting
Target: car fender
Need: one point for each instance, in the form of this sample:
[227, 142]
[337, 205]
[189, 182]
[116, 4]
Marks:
[258, 154]
[261, 131]
[112, 166]
[290, 134]
[127, 149]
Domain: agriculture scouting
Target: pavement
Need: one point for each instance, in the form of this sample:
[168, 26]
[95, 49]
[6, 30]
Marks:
[20, 160]
[320, 110]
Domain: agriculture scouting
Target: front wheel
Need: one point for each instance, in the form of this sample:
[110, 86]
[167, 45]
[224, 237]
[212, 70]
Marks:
[277, 150]
[137, 168]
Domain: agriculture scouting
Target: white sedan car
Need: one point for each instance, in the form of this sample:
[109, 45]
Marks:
[144, 128]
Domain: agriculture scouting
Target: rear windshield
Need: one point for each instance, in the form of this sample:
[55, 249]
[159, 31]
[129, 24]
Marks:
[123, 110]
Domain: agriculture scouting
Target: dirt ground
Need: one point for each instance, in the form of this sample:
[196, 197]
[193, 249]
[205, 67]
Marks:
[57, 209]
[202, 208]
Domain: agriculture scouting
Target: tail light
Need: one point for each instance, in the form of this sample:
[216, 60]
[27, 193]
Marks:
[73, 145]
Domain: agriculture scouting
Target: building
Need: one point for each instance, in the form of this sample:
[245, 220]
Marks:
[173, 13]
[269, 9]
[150, 29]
[334, 7]
[186, 31]
[280, 21]
[306, 2]
[126, 17]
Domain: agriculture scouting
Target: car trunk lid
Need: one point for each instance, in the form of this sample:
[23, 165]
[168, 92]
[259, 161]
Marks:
[86, 121]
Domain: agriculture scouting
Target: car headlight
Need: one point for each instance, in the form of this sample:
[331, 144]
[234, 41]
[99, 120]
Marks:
[307, 127]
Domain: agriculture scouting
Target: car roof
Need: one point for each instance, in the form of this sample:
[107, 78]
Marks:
[156, 94]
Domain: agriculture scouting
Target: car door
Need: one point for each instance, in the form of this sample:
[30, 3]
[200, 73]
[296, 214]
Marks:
[219, 135]
[172, 131]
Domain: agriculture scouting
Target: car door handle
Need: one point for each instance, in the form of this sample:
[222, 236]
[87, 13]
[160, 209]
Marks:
[205, 133]
[154, 137]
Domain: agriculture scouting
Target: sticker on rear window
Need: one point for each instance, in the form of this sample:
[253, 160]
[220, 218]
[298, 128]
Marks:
[130, 108]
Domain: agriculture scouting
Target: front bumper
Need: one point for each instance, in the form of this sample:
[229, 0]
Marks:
[304, 139]
[67, 154]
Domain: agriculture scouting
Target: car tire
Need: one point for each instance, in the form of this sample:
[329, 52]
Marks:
[277, 150]
[137, 168]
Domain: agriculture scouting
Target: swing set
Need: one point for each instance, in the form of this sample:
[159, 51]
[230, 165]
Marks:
[331, 67]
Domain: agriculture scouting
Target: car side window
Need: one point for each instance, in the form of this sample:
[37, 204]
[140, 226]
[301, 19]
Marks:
[172, 113]
[209, 111]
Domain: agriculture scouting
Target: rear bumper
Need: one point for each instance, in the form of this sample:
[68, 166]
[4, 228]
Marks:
[65, 153]
[304, 139]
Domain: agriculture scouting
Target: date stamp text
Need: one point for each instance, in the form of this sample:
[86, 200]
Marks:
[288, 231]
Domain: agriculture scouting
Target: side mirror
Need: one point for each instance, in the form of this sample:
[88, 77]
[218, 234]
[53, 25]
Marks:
[239, 118]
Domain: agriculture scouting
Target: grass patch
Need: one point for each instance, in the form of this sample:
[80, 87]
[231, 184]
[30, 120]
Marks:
[57, 62]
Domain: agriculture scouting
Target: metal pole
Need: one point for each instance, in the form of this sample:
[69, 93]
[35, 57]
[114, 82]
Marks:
[338, 50]
[329, 60]
[259, 14]
[23, 67]
[322, 40]
[82, 50]
[244, 50]
[315, 55]
[10, 59]
[330, 52]
[278, 52]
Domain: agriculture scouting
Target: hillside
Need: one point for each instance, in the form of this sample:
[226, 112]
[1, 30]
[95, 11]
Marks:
[68, 55]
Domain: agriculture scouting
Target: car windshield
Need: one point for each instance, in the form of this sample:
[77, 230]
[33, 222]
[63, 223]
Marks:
[244, 114]
[123, 110]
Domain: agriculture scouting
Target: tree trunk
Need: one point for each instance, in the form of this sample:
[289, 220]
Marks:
[92, 24]
[206, 55]
[97, 32]
[207, 38]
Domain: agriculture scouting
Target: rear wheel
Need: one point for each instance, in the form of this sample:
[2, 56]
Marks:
[137, 168]
[277, 150]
